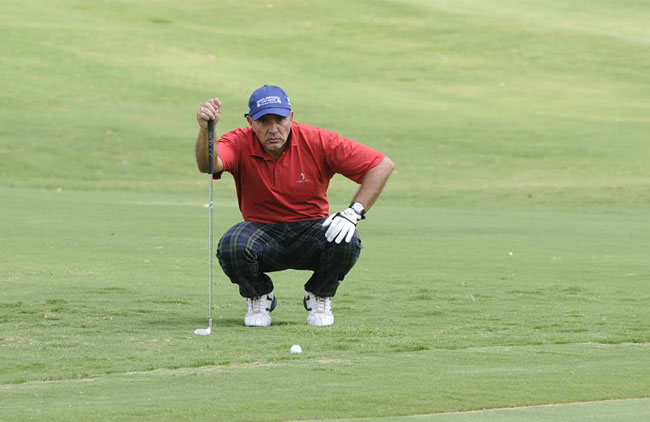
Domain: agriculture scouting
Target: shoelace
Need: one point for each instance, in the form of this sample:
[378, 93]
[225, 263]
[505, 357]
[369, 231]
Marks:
[323, 304]
[256, 304]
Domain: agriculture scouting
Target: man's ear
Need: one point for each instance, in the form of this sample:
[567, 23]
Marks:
[250, 121]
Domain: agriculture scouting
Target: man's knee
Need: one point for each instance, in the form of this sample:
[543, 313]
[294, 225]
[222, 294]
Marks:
[347, 251]
[235, 244]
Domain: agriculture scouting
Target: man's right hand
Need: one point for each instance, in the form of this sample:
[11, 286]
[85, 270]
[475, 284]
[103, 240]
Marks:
[209, 110]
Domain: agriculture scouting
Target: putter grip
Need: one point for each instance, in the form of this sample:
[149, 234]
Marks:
[211, 145]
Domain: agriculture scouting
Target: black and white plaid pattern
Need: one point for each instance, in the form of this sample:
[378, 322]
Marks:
[248, 250]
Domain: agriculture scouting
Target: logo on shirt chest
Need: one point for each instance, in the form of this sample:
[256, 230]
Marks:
[302, 178]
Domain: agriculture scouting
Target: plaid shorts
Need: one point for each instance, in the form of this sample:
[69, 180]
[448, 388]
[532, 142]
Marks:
[248, 250]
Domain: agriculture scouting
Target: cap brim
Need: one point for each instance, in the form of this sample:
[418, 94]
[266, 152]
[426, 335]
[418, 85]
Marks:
[284, 112]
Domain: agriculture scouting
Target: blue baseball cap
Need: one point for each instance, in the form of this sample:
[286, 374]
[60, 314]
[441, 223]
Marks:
[268, 99]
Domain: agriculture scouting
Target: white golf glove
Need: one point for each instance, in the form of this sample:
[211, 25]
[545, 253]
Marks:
[342, 225]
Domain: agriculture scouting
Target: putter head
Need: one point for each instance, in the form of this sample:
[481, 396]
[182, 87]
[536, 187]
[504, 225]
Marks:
[203, 331]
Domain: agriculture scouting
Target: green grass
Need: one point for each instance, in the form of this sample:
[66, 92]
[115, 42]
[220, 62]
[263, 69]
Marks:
[505, 265]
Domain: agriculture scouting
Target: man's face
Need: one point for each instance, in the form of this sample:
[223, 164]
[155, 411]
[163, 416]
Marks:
[273, 132]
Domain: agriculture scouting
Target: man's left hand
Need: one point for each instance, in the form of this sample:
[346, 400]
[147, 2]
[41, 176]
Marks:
[341, 225]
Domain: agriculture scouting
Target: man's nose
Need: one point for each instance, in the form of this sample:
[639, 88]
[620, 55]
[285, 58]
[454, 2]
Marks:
[274, 127]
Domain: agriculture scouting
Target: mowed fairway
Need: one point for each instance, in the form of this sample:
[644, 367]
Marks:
[505, 266]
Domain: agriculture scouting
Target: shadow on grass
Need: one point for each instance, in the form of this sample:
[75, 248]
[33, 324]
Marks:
[239, 322]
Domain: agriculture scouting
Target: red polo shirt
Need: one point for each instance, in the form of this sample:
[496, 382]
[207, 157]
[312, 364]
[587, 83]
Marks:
[293, 187]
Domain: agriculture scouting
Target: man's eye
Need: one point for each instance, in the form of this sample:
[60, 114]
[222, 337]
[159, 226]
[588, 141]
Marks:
[267, 120]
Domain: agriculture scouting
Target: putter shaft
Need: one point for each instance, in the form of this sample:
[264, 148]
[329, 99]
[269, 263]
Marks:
[208, 330]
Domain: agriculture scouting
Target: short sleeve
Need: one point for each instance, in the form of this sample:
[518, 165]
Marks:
[228, 151]
[350, 158]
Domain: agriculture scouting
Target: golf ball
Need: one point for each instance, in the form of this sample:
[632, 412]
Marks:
[295, 349]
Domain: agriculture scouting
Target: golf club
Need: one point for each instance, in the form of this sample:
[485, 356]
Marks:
[207, 331]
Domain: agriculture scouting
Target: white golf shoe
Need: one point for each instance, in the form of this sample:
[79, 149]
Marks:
[319, 308]
[259, 310]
